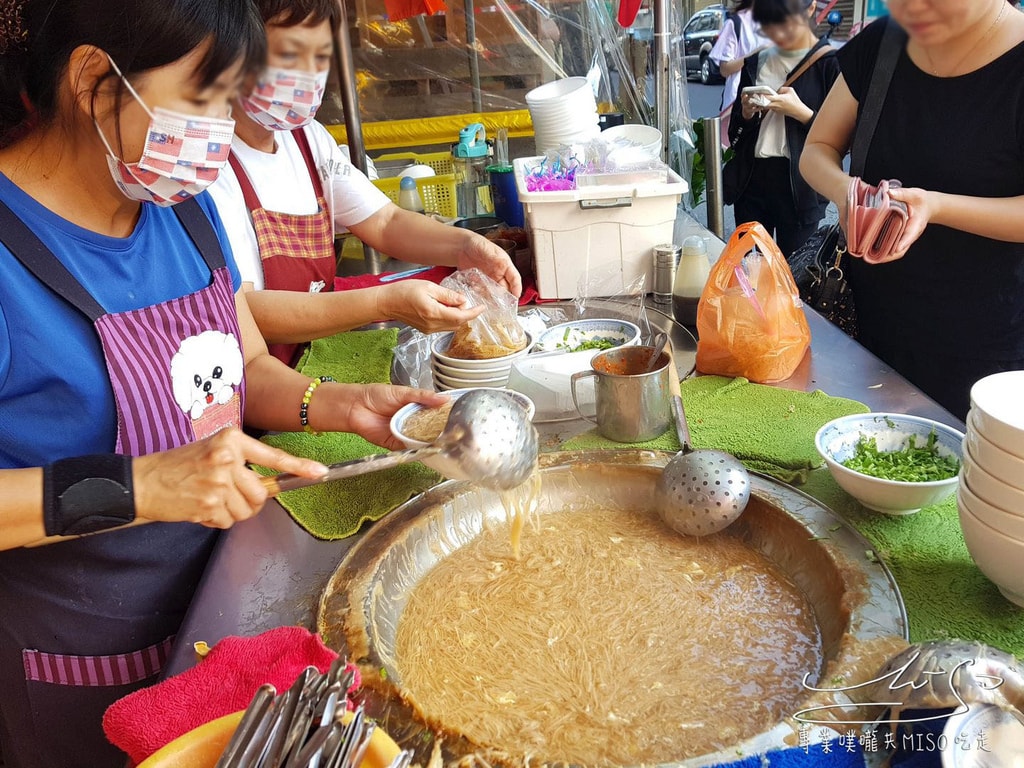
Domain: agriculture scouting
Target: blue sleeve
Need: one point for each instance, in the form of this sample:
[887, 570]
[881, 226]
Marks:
[206, 203]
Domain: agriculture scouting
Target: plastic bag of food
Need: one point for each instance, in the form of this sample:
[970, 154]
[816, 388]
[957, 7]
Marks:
[750, 320]
[495, 332]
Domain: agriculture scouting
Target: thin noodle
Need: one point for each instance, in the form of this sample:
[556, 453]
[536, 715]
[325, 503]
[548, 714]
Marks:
[610, 641]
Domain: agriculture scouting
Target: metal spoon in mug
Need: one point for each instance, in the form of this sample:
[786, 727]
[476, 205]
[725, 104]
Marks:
[702, 491]
[658, 342]
[488, 437]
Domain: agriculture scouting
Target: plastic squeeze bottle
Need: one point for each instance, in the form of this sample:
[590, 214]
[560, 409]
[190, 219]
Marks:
[409, 195]
[691, 275]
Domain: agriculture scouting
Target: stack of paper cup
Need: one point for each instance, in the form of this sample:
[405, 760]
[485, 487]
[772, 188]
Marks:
[991, 493]
[563, 112]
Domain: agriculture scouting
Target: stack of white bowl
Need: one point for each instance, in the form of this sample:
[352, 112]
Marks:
[563, 112]
[456, 373]
[991, 493]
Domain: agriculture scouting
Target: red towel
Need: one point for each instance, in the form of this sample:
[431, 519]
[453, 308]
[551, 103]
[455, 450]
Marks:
[434, 275]
[224, 682]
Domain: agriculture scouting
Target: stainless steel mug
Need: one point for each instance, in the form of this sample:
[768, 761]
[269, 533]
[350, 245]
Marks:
[632, 402]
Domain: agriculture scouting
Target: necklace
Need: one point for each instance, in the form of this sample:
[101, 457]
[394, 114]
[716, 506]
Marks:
[953, 71]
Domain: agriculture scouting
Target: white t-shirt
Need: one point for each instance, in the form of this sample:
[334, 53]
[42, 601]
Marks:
[282, 184]
[774, 65]
[729, 47]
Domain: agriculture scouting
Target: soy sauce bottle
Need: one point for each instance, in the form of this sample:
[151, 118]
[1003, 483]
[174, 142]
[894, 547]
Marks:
[691, 275]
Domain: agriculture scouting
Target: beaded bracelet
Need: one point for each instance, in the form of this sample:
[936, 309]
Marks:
[304, 405]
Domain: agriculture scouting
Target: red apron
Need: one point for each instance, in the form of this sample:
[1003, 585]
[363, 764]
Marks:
[89, 620]
[296, 251]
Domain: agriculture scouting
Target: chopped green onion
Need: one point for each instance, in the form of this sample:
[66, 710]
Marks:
[914, 464]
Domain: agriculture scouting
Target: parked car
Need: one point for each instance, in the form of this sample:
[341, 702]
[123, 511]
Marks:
[699, 37]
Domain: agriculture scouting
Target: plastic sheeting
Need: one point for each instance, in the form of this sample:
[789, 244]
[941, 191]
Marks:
[483, 56]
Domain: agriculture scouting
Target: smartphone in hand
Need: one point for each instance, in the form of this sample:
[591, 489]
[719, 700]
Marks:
[758, 94]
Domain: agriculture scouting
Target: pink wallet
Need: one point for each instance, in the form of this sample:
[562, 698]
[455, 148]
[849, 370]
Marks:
[874, 220]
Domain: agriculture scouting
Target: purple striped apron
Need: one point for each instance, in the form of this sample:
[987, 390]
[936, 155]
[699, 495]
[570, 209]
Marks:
[89, 620]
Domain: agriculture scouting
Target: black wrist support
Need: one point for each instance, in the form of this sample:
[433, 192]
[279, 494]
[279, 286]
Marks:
[86, 494]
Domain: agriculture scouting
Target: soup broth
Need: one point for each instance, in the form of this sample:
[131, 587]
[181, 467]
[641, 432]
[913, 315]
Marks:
[610, 641]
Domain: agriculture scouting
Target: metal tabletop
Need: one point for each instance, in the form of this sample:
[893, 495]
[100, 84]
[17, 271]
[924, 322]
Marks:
[268, 572]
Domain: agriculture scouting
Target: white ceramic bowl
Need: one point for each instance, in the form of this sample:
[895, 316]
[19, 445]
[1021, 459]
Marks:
[1000, 464]
[997, 405]
[440, 463]
[837, 440]
[456, 382]
[439, 346]
[990, 488]
[1005, 522]
[467, 373]
[634, 136]
[997, 555]
[564, 336]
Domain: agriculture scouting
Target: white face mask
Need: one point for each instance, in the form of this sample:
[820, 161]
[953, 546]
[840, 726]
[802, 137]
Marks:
[182, 156]
[285, 99]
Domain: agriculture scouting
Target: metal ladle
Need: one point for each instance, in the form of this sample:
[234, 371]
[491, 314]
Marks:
[488, 439]
[700, 492]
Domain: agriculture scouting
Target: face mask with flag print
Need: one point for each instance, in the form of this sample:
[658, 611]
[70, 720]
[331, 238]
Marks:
[285, 99]
[182, 156]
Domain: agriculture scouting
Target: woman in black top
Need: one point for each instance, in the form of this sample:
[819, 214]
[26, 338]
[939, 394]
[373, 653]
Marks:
[951, 129]
[776, 125]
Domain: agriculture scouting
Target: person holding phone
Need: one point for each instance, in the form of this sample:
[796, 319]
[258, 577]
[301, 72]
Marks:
[781, 89]
[738, 38]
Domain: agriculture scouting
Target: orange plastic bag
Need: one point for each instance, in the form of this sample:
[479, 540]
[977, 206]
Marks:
[750, 320]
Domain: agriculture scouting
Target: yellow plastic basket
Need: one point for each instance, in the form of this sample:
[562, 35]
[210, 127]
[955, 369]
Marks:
[438, 192]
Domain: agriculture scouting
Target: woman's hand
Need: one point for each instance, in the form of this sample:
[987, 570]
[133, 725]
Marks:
[208, 482]
[920, 209]
[752, 105]
[371, 406]
[787, 102]
[481, 253]
[424, 305]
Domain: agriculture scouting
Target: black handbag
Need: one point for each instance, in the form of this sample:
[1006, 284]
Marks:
[817, 268]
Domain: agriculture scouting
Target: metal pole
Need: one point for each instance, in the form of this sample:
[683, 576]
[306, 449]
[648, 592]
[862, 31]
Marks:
[713, 175]
[345, 65]
[661, 70]
[474, 60]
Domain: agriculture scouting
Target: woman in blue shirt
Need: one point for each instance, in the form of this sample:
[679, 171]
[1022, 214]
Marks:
[126, 353]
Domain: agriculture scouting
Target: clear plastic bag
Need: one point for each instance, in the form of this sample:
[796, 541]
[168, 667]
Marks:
[495, 332]
[750, 319]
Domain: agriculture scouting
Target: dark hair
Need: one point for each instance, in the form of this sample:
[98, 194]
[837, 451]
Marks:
[139, 35]
[742, 5]
[291, 13]
[778, 11]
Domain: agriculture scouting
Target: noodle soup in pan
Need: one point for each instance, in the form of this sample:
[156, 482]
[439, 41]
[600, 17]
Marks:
[609, 640]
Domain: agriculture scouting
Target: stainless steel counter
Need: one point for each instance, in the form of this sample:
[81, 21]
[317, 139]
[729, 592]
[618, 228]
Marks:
[269, 572]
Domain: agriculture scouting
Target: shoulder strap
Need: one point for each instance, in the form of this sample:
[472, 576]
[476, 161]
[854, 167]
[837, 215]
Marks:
[737, 24]
[200, 229]
[888, 54]
[252, 200]
[307, 155]
[28, 249]
[822, 48]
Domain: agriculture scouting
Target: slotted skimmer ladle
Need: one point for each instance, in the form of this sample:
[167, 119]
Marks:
[702, 491]
[488, 439]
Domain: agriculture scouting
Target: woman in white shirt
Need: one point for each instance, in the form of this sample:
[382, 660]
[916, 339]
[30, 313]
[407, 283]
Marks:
[799, 70]
[289, 186]
[740, 37]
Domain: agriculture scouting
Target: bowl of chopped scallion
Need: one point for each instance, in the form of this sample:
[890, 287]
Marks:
[892, 462]
[592, 334]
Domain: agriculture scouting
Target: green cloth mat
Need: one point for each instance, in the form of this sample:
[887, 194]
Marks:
[769, 429]
[945, 594]
[338, 509]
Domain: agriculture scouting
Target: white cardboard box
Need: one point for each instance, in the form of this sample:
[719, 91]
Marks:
[604, 232]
